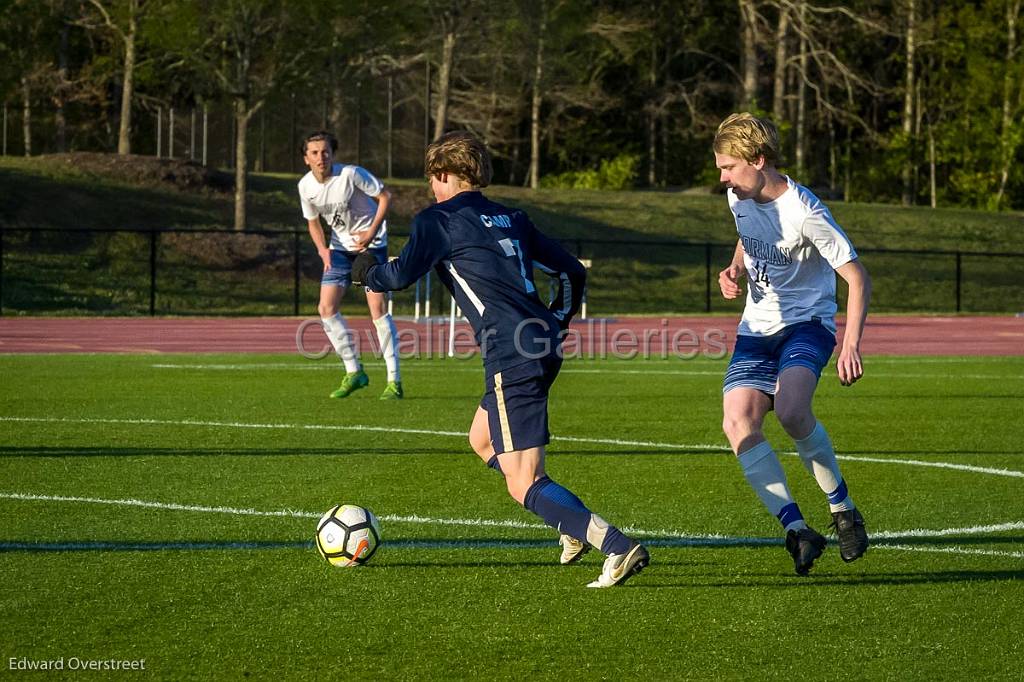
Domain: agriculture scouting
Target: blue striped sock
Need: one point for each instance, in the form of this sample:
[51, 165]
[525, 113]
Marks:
[764, 473]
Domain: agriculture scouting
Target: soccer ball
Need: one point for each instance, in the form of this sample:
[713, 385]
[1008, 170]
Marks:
[347, 535]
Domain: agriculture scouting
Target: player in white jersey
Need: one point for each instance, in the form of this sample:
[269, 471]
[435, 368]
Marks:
[344, 196]
[790, 249]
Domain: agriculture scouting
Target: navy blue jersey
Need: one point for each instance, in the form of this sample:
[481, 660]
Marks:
[485, 253]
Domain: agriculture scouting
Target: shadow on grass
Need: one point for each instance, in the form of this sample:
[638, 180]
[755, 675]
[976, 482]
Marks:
[204, 545]
[45, 452]
[931, 577]
[819, 579]
[619, 451]
[148, 546]
[949, 451]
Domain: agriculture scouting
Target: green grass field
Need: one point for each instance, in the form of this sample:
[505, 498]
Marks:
[161, 507]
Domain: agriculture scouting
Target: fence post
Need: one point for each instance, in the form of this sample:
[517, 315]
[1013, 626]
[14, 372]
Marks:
[426, 107]
[152, 272]
[416, 307]
[1, 270]
[958, 273]
[391, 98]
[206, 130]
[707, 277]
[426, 308]
[296, 250]
[293, 143]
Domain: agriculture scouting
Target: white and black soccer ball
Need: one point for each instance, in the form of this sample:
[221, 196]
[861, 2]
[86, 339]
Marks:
[347, 535]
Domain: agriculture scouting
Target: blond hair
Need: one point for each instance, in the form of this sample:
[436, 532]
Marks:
[748, 137]
[460, 154]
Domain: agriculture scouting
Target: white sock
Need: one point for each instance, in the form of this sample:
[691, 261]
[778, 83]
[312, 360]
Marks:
[341, 338]
[764, 473]
[386, 333]
[820, 459]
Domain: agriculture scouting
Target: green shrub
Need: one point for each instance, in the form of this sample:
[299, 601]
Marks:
[612, 174]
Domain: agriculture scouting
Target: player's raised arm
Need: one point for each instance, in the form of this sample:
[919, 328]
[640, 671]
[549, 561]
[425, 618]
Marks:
[428, 244]
[549, 257]
[729, 279]
[849, 364]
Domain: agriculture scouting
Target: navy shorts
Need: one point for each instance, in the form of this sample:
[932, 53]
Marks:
[340, 273]
[516, 402]
[757, 361]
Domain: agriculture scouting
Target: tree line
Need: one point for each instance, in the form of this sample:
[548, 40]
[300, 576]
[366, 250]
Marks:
[918, 102]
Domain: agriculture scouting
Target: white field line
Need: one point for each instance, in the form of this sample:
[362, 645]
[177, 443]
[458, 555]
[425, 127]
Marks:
[667, 538]
[708, 447]
[351, 427]
[938, 465]
[970, 530]
[415, 544]
[954, 550]
[566, 370]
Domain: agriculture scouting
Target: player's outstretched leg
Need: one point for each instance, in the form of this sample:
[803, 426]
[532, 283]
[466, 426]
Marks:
[764, 473]
[561, 509]
[744, 409]
[819, 458]
[573, 549]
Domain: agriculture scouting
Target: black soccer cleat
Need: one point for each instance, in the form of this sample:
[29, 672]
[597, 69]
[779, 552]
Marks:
[853, 538]
[804, 545]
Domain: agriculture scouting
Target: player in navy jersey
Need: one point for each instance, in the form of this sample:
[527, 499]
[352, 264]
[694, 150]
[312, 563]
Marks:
[485, 253]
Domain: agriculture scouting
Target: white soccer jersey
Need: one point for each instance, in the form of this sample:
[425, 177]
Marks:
[345, 201]
[791, 247]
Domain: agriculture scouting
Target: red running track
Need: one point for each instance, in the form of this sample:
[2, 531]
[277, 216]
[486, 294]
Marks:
[669, 337]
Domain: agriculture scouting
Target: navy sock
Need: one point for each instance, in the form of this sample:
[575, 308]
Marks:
[790, 515]
[563, 511]
[495, 464]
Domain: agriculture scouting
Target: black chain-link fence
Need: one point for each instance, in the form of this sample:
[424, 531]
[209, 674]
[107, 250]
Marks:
[224, 272]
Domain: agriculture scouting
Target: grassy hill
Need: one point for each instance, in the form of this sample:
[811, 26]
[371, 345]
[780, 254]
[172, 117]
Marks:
[634, 238]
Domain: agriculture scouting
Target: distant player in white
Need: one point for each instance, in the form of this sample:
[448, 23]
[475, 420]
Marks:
[790, 249]
[344, 196]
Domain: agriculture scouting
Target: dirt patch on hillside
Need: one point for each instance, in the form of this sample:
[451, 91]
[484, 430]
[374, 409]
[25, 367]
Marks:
[147, 171]
[408, 201]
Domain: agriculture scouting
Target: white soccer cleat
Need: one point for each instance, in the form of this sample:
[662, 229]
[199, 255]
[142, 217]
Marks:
[572, 549]
[618, 568]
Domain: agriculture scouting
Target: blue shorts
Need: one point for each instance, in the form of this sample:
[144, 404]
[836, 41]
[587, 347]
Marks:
[516, 402]
[340, 273]
[757, 361]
